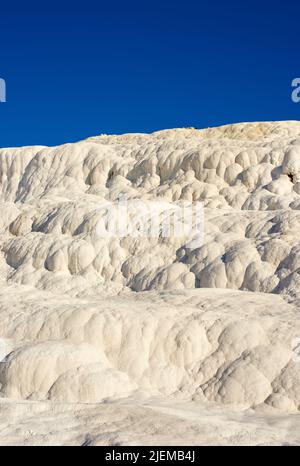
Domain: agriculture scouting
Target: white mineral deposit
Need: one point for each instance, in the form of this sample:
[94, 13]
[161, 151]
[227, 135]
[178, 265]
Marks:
[146, 340]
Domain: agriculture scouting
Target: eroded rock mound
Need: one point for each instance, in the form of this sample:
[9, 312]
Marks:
[87, 318]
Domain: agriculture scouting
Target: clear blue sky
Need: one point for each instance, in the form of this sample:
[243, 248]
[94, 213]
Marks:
[78, 69]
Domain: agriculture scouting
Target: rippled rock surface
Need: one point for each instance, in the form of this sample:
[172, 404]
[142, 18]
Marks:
[115, 332]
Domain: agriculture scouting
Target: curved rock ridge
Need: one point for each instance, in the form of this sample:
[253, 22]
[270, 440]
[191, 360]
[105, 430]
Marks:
[87, 318]
[51, 199]
[80, 350]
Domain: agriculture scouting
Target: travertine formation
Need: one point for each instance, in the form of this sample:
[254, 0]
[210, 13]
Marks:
[151, 326]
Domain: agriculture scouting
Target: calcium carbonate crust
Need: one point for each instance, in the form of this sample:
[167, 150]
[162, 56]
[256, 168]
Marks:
[91, 319]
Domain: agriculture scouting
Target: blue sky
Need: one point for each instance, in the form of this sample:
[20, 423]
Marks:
[79, 69]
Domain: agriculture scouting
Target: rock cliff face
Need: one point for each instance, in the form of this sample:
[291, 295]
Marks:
[152, 326]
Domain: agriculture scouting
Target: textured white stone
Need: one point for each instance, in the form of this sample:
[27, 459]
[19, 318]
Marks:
[150, 327]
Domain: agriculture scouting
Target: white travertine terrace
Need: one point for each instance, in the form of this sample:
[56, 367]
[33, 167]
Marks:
[124, 328]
